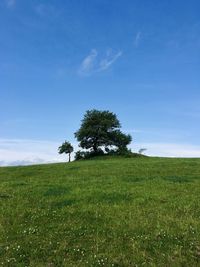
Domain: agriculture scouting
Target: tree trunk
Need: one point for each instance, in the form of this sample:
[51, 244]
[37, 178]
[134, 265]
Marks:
[95, 146]
[69, 157]
[95, 149]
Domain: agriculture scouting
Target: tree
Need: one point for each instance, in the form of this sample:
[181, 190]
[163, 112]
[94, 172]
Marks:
[66, 148]
[141, 150]
[101, 129]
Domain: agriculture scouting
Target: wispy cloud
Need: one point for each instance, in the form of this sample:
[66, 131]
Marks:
[10, 3]
[109, 60]
[93, 62]
[89, 62]
[137, 39]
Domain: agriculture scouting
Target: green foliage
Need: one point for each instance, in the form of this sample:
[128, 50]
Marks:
[101, 129]
[125, 153]
[88, 154]
[66, 148]
[142, 150]
[111, 212]
[120, 140]
[79, 155]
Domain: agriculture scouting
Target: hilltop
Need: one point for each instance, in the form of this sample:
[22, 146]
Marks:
[110, 212]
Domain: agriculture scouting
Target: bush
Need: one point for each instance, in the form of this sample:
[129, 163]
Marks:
[79, 155]
[120, 151]
[88, 154]
[127, 153]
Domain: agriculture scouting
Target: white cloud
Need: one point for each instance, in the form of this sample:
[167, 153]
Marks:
[169, 149]
[93, 63]
[137, 39]
[10, 3]
[25, 152]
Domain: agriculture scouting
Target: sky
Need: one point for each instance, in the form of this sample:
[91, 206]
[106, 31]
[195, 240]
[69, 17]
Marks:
[139, 59]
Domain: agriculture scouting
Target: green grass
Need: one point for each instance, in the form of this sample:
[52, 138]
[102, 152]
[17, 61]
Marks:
[111, 212]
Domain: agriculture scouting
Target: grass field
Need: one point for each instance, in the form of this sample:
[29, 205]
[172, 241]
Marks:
[107, 212]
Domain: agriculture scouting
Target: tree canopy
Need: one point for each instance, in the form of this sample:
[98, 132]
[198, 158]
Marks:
[101, 129]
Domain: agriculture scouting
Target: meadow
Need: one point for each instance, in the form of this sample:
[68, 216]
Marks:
[120, 212]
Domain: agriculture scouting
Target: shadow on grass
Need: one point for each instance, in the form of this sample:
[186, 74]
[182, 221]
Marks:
[62, 204]
[4, 196]
[18, 184]
[109, 198]
[73, 168]
[57, 191]
[178, 179]
[133, 179]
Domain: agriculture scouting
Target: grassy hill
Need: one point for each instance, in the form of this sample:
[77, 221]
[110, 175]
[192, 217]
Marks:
[110, 212]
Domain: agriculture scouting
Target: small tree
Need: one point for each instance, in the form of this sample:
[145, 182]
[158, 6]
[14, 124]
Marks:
[141, 151]
[66, 148]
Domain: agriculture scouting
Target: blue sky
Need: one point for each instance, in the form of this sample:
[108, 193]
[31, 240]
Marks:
[139, 59]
